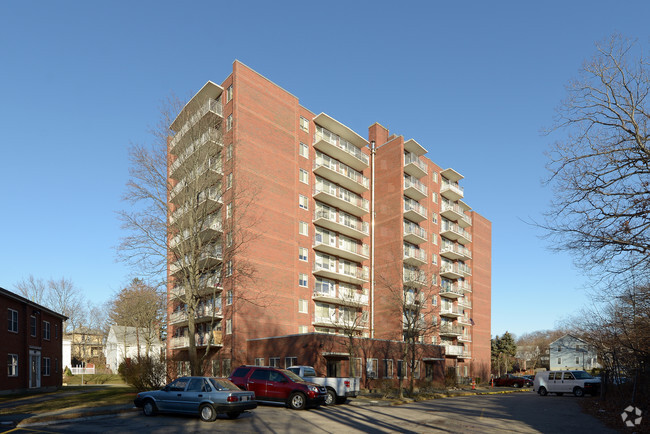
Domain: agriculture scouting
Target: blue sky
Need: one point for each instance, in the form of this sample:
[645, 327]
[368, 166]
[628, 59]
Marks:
[473, 82]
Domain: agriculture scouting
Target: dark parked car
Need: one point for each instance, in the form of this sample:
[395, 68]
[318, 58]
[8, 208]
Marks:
[203, 396]
[510, 380]
[279, 385]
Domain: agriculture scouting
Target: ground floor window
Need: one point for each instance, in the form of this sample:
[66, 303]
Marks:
[274, 362]
[226, 368]
[388, 368]
[12, 365]
[401, 369]
[46, 366]
[183, 367]
[290, 361]
[259, 361]
[372, 368]
[416, 370]
[216, 365]
[356, 367]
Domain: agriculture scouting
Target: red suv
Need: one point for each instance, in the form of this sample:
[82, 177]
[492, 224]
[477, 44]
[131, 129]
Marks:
[278, 385]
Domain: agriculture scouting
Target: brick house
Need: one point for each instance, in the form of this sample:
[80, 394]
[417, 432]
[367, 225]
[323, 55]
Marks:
[31, 345]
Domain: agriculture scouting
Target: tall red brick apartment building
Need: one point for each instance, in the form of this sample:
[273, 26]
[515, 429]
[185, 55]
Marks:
[320, 261]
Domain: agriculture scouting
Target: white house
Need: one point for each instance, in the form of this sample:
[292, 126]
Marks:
[569, 352]
[123, 342]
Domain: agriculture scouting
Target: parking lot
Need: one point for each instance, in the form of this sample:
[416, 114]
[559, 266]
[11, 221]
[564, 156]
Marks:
[524, 412]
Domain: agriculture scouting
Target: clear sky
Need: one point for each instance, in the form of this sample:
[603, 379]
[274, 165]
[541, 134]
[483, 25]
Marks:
[474, 82]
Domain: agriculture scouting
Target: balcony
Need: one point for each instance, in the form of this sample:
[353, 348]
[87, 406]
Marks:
[209, 112]
[340, 198]
[455, 212]
[465, 321]
[455, 252]
[211, 257]
[450, 330]
[450, 311]
[340, 173]
[414, 211]
[347, 298]
[464, 303]
[464, 286]
[414, 234]
[211, 137]
[454, 232]
[451, 190]
[451, 270]
[208, 201]
[341, 149]
[451, 291]
[456, 351]
[343, 223]
[414, 278]
[414, 166]
[202, 313]
[414, 188]
[414, 256]
[467, 354]
[207, 286]
[351, 274]
[201, 340]
[338, 247]
[465, 338]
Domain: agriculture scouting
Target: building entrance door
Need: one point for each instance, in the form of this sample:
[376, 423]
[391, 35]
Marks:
[34, 368]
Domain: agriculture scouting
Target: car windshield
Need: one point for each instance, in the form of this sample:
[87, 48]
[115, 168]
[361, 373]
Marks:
[223, 384]
[291, 375]
[582, 375]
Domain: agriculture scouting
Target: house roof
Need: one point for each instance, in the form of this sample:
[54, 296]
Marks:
[14, 296]
[574, 337]
[128, 334]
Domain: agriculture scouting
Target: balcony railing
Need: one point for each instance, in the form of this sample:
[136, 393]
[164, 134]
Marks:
[418, 167]
[457, 210]
[351, 225]
[416, 231]
[414, 254]
[342, 144]
[455, 251]
[456, 350]
[210, 135]
[343, 272]
[451, 311]
[451, 190]
[341, 247]
[347, 176]
[414, 277]
[411, 184]
[343, 297]
[447, 329]
[456, 232]
[413, 210]
[343, 198]
[201, 340]
[211, 105]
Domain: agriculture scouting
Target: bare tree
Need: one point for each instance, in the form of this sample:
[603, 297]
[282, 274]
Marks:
[601, 169]
[65, 298]
[33, 289]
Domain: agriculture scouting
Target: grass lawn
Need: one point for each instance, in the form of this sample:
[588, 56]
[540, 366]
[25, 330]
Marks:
[68, 398]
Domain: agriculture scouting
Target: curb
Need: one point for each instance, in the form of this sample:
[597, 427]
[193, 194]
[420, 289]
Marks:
[385, 403]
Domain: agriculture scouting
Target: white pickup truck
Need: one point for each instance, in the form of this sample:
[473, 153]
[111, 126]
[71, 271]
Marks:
[338, 389]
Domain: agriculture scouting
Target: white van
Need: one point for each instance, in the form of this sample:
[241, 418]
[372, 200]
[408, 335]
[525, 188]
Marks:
[561, 382]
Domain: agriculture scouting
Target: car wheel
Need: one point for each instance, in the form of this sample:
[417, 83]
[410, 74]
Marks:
[233, 414]
[543, 391]
[515, 385]
[297, 401]
[149, 408]
[330, 399]
[560, 393]
[207, 413]
[577, 391]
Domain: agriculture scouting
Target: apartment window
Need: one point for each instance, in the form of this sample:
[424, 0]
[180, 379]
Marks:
[434, 259]
[229, 93]
[304, 176]
[302, 329]
[229, 239]
[290, 361]
[434, 340]
[302, 280]
[302, 253]
[46, 330]
[228, 326]
[388, 368]
[435, 176]
[229, 297]
[229, 268]
[229, 210]
[302, 306]
[13, 320]
[32, 322]
[434, 300]
[46, 367]
[435, 218]
[434, 320]
[304, 124]
[303, 202]
[434, 238]
[435, 197]
[12, 365]
[303, 150]
[274, 362]
[303, 228]
[259, 361]
[229, 181]
[229, 123]
[372, 368]
[229, 152]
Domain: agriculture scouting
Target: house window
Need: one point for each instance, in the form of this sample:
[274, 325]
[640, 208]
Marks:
[302, 280]
[228, 326]
[304, 176]
[229, 123]
[303, 306]
[304, 124]
[259, 361]
[559, 360]
[13, 320]
[303, 150]
[302, 329]
[302, 253]
[56, 331]
[388, 368]
[32, 322]
[559, 349]
[290, 361]
[12, 365]
[56, 366]
[229, 93]
[46, 330]
[46, 366]
[303, 202]
[274, 362]
[303, 228]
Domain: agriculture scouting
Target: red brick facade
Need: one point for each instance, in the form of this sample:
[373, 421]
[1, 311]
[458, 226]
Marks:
[31, 345]
[311, 244]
